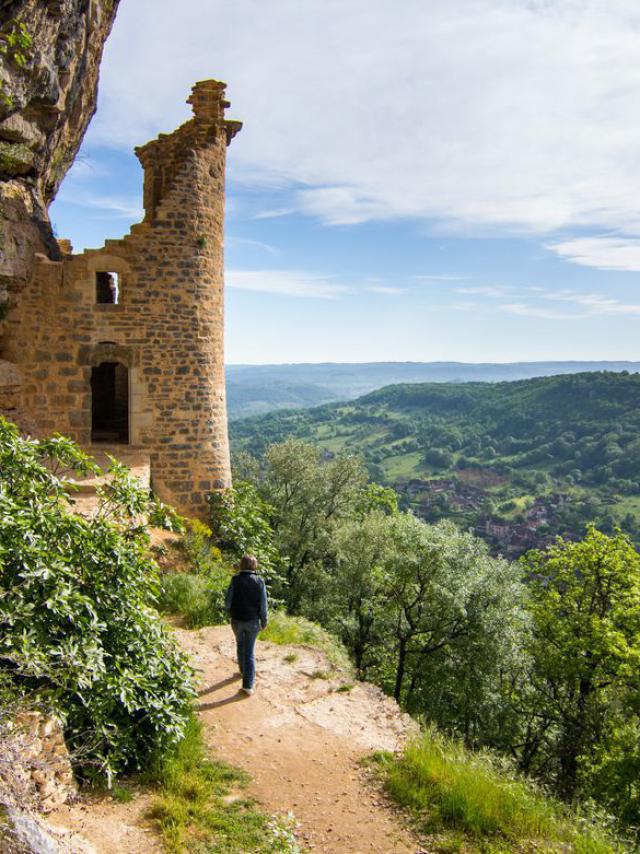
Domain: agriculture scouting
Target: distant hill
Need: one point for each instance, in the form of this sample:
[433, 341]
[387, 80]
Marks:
[257, 389]
[516, 461]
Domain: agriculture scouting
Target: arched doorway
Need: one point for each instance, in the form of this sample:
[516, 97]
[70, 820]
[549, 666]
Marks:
[110, 403]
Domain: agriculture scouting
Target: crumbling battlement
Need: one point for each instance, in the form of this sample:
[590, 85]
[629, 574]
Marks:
[125, 343]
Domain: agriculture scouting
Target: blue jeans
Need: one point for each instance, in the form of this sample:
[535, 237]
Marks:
[246, 632]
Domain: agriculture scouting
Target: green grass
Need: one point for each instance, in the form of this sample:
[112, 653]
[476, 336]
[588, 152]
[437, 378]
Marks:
[399, 466]
[283, 629]
[471, 804]
[187, 595]
[322, 674]
[201, 808]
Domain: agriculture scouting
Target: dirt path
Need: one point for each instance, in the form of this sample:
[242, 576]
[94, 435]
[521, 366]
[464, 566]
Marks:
[298, 736]
[300, 739]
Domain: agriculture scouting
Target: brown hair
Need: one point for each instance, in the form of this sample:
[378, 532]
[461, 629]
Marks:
[249, 563]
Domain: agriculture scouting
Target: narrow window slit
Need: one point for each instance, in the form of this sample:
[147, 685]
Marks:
[107, 288]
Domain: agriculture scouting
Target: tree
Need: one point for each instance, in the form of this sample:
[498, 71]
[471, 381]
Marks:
[309, 495]
[241, 524]
[439, 458]
[585, 654]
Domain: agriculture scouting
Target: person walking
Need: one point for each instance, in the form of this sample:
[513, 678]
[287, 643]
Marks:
[246, 601]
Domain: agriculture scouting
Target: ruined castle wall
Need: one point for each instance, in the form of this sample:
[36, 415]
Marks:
[167, 328]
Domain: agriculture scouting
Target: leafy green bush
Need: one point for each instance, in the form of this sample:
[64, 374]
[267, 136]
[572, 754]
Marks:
[195, 586]
[198, 599]
[199, 549]
[448, 787]
[77, 625]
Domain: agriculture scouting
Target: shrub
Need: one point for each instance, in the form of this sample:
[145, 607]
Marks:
[77, 626]
[197, 590]
[198, 599]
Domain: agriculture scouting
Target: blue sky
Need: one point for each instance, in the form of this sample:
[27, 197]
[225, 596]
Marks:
[414, 181]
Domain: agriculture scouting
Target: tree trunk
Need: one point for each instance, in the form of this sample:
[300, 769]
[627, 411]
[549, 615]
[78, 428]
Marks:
[402, 653]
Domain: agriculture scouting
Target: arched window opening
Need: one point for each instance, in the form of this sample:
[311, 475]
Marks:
[110, 403]
[107, 288]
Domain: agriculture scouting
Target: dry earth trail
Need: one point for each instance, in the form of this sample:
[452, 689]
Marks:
[299, 738]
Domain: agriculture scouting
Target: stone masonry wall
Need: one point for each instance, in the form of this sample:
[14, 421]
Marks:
[167, 327]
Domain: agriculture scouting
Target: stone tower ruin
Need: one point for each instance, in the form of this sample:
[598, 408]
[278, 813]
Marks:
[124, 345]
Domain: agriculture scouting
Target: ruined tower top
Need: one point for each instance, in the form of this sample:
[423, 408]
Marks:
[162, 157]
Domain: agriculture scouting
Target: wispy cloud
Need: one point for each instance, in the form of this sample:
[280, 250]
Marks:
[485, 291]
[291, 283]
[274, 213]
[605, 253]
[539, 129]
[542, 303]
[526, 310]
[108, 206]
[255, 244]
[440, 278]
[389, 291]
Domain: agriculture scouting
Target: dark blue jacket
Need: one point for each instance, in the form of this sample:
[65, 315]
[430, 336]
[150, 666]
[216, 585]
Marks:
[246, 598]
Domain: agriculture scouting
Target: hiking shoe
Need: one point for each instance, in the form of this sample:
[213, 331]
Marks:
[247, 691]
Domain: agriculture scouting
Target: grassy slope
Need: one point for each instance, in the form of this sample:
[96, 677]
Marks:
[467, 803]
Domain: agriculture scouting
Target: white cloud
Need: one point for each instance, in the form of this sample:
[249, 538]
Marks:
[605, 253]
[526, 310]
[291, 283]
[255, 244]
[484, 291]
[440, 278]
[498, 114]
[388, 291]
[585, 305]
[274, 213]
[108, 206]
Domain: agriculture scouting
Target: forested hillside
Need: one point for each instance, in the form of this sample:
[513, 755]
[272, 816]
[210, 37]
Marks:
[517, 461]
[258, 389]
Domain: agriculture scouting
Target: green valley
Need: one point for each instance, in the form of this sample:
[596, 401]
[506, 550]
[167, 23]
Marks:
[519, 462]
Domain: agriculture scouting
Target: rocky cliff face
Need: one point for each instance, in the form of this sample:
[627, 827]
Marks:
[50, 52]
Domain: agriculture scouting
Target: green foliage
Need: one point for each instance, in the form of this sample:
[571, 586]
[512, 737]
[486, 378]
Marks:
[196, 813]
[15, 46]
[190, 597]
[582, 688]
[240, 521]
[195, 589]
[428, 614]
[308, 497]
[449, 788]
[77, 623]
[16, 42]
